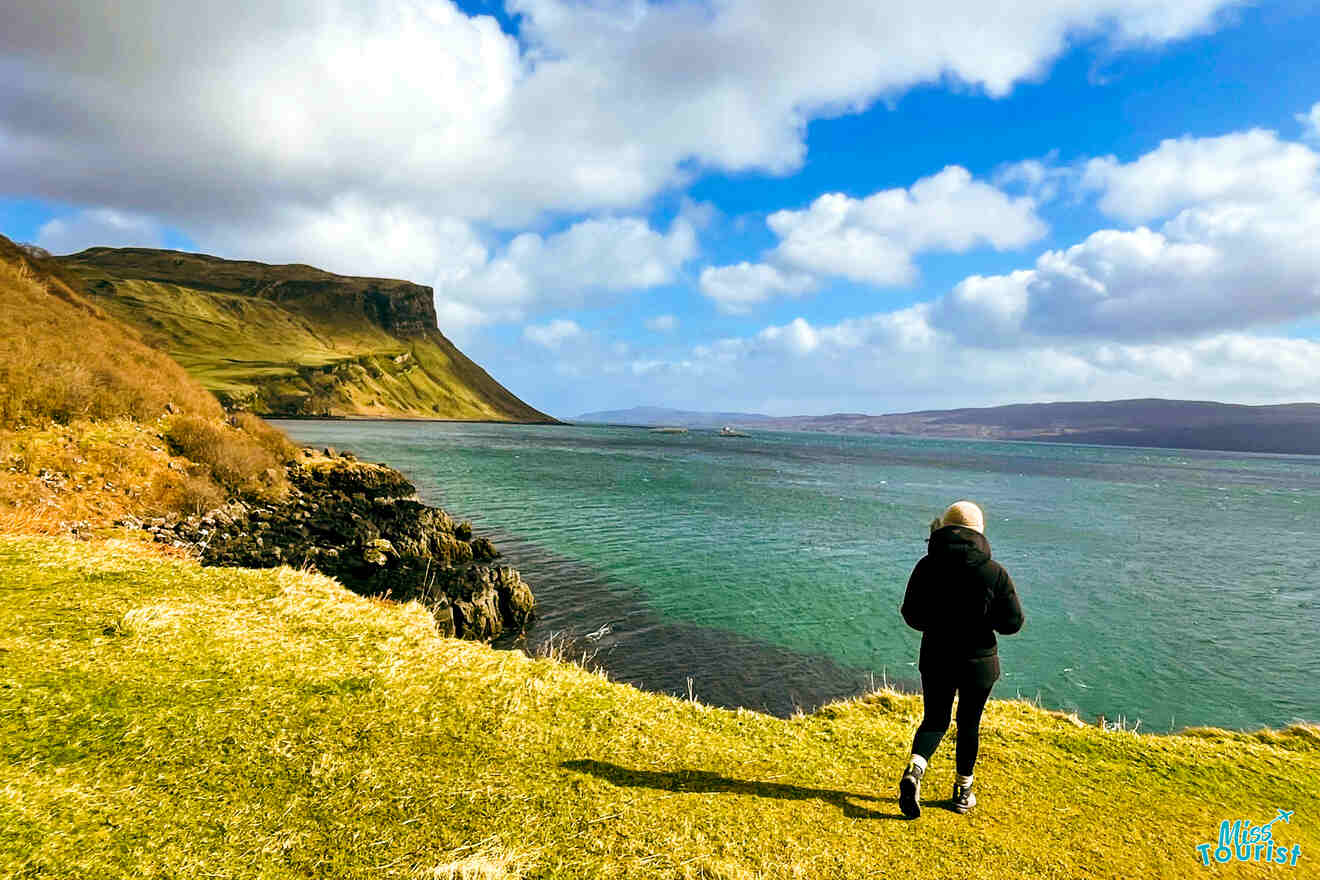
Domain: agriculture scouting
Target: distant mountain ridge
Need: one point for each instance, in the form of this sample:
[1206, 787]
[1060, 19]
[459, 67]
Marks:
[1180, 424]
[658, 416]
[1292, 428]
[293, 340]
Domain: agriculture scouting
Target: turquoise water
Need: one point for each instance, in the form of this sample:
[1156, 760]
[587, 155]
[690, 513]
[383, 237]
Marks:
[1170, 587]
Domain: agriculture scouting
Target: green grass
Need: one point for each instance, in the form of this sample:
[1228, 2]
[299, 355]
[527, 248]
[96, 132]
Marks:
[299, 354]
[158, 719]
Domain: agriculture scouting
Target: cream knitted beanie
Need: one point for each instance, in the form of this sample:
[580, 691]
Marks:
[966, 514]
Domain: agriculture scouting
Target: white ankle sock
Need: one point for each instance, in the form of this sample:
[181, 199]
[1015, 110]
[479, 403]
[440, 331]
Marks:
[919, 761]
[964, 781]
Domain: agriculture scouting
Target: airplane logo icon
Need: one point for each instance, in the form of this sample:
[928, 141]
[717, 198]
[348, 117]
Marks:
[1285, 815]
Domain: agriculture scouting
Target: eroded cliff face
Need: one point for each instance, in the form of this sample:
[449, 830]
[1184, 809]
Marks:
[400, 308]
[294, 340]
[397, 307]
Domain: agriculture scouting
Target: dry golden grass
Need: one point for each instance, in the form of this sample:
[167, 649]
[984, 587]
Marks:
[87, 472]
[62, 359]
[88, 414]
[235, 459]
[493, 865]
[276, 442]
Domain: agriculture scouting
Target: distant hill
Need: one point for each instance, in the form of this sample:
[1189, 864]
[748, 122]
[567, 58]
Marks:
[658, 416]
[1179, 424]
[294, 340]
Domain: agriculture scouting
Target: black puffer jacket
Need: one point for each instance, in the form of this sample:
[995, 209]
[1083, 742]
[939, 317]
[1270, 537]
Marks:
[959, 597]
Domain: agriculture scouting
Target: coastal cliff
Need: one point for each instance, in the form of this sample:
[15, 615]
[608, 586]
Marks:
[163, 717]
[98, 430]
[293, 340]
[361, 523]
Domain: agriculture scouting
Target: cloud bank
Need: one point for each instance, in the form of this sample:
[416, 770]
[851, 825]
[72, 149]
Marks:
[1163, 309]
[405, 134]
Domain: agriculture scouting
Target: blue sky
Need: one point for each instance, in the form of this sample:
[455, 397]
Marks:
[724, 205]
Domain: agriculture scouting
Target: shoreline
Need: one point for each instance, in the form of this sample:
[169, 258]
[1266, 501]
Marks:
[620, 633]
[641, 641]
[308, 418]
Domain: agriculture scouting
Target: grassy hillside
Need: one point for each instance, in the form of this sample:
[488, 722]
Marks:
[294, 340]
[96, 425]
[158, 719]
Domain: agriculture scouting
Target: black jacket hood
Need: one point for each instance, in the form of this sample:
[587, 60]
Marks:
[959, 544]
[960, 598]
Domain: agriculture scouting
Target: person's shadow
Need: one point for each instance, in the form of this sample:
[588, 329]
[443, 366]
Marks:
[703, 781]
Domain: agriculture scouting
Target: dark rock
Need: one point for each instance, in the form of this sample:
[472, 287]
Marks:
[450, 551]
[379, 552]
[444, 618]
[317, 475]
[483, 550]
[356, 521]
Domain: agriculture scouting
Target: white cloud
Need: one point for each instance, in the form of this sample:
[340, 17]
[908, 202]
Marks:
[1250, 167]
[1311, 122]
[1237, 250]
[553, 334]
[458, 321]
[874, 239]
[97, 226]
[1199, 276]
[662, 324]
[1043, 179]
[354, 236]
[898, 361]
[221, 116]
[735, 289]
[798, 337]
[589, 261]
[987, 311]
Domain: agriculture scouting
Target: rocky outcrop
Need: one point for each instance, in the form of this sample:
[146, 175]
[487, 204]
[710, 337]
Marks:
[360, 523]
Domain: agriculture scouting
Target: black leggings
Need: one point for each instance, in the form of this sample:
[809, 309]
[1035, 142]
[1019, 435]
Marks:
[937, 690]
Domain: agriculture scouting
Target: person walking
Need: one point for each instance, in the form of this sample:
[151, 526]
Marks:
[958, 597]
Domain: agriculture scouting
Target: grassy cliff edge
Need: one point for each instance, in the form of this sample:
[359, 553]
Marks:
[160, 719]
[294, 340]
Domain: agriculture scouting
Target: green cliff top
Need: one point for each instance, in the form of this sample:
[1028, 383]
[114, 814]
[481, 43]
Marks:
[295, 340]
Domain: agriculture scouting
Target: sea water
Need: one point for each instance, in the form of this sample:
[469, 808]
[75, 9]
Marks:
[1168, 587]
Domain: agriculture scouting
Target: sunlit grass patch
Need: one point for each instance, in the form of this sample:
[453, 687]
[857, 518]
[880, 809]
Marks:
[158, 719]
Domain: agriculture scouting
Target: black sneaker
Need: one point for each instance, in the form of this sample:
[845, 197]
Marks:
[909, 791]
[963, 798]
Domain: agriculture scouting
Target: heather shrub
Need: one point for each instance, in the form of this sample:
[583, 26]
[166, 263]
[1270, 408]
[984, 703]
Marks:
[196, 495]
[275, 441]
[62, 359]
[237, 461]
